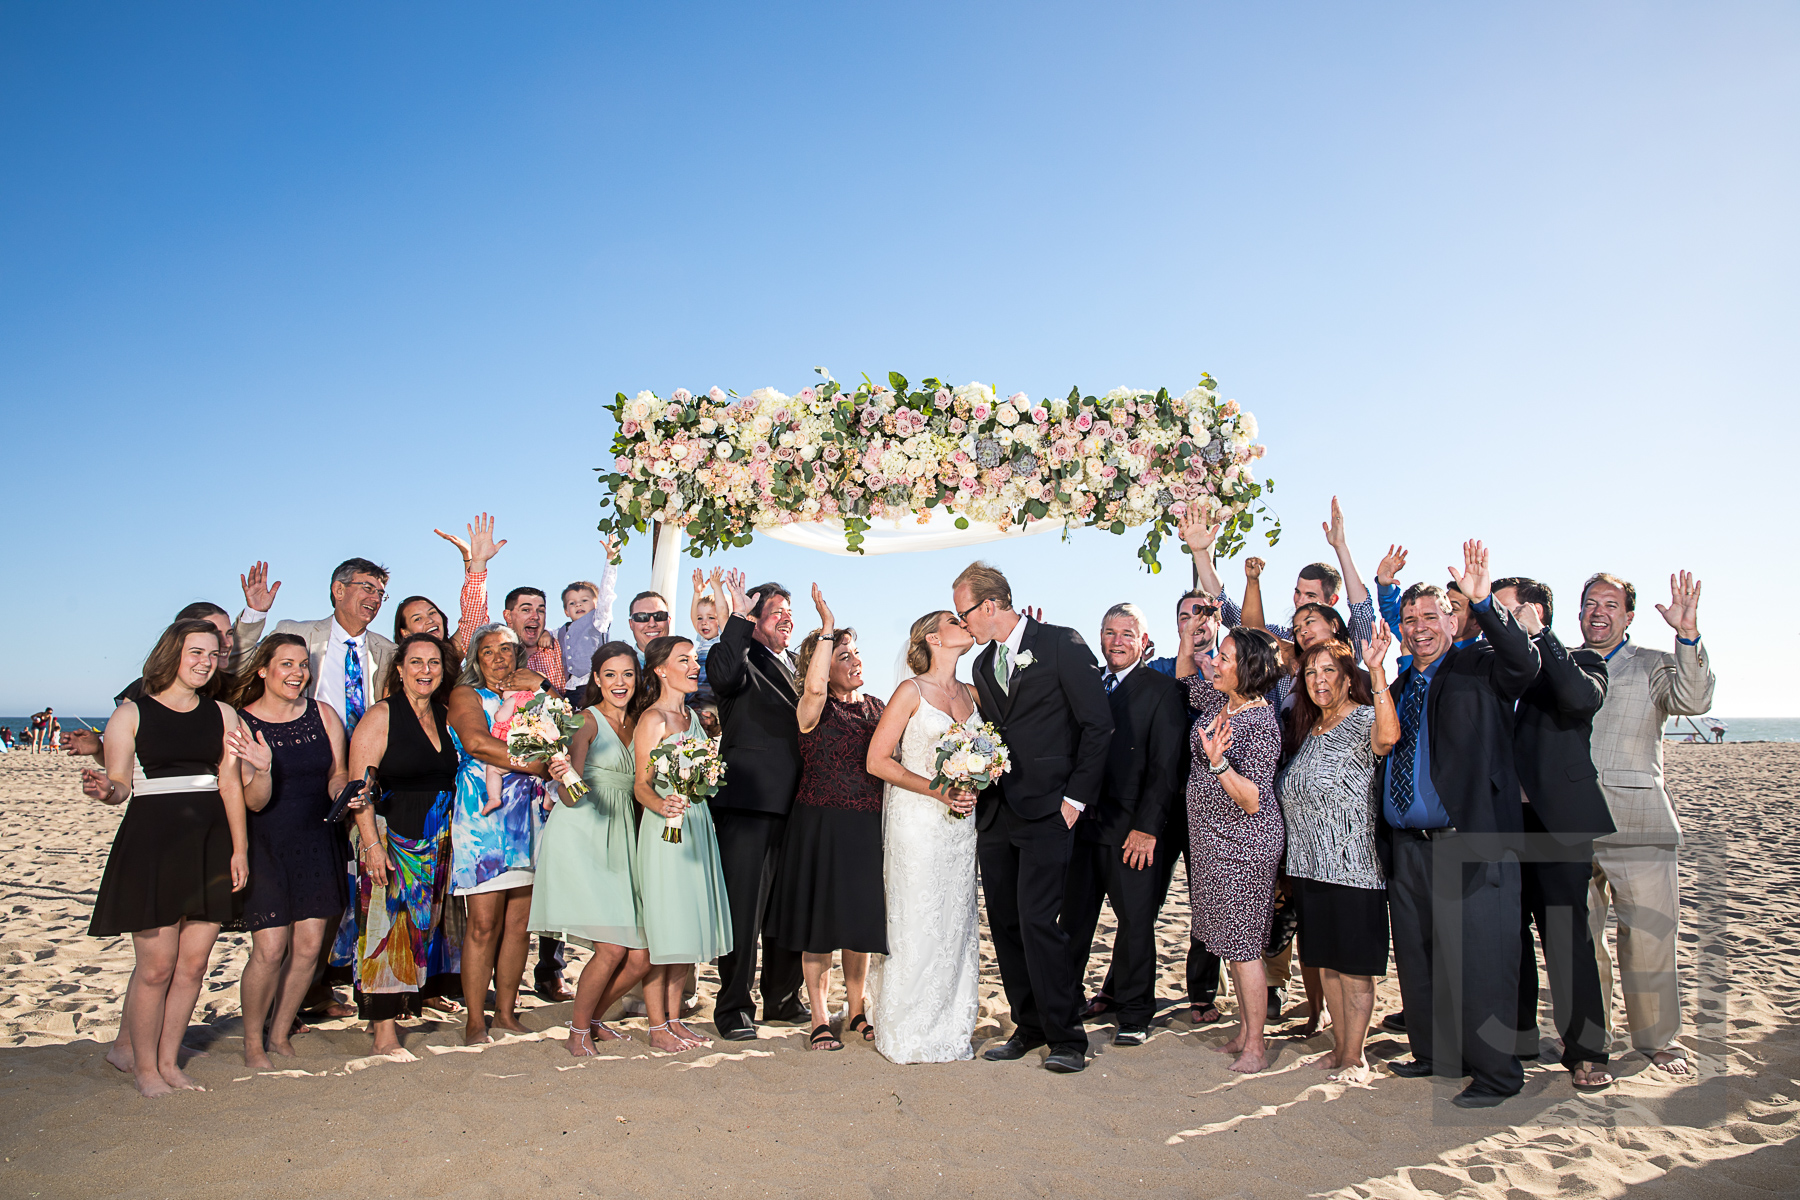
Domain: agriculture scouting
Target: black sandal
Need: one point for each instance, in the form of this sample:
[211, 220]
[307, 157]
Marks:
[860, 1021]
[820, 1036]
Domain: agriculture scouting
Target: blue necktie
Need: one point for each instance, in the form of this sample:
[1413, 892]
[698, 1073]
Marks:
[1112, 681]
[1412, 711]
[355, 700]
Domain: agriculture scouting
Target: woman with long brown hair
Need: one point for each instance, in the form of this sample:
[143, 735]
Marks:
[687, 918]
[1341, 722]
[290, 751]
[586, 890]
[403, 838]
[181, 851]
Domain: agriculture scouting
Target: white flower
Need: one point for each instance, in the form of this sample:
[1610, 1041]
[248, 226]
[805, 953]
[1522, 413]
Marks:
[1247, 425]
[1025, 659]
[975, 764]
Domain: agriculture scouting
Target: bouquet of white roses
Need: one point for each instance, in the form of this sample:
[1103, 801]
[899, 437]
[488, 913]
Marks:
[540, 729]
[690, 766]
[970, 755]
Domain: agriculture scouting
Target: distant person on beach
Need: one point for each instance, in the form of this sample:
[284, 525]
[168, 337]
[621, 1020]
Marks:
[181, 852]
[1635, 869]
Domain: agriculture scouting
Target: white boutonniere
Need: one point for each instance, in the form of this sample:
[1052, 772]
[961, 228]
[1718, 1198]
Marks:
[1025, 659]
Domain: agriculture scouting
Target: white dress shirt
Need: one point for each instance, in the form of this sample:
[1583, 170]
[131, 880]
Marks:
[1118, 676]
[329, 688]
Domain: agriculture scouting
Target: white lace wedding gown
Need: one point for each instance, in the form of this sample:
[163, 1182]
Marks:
[923, 991]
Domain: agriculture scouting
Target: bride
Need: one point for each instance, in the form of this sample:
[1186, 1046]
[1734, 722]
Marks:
[924, 989]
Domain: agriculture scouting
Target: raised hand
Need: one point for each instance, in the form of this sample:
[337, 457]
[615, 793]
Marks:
[481, 545]
[1392, 563]
[825, 619]
[1036, 614]
[1374, 651]
[1683, 610]
[699, 582]
[1528, 618]
[1253, 568]
[610, 543]
[1473, 581]
[258, 593]
[81, 743]
[252, 750]
[734, 584]
[1334, 528]
[1198, 534]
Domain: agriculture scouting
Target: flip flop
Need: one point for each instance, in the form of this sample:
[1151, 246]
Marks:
[823, 1039]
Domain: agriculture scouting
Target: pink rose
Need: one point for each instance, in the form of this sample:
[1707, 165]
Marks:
[761, 451]
[941, 397]
[1178, 509]
[957, 424]
[1084, 422]
[967, 483]
[1109, 473]
[680, 396]
[806, 396]
[1119, 437]
[1040, 415]
[622, 465]
[631, 429]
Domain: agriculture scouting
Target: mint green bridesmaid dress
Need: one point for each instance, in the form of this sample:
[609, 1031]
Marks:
[686, 916]
[587, 884]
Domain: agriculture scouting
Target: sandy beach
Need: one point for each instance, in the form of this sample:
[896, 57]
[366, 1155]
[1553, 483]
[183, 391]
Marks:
[770, 1118]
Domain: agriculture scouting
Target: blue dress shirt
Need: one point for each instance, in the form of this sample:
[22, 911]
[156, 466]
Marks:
[1427, 811]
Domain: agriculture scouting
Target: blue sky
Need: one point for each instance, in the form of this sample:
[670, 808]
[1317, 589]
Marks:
[300, 283]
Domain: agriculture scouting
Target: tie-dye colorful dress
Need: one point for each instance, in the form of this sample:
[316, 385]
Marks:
[492, 852]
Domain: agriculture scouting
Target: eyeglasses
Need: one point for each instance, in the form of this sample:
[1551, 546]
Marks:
[380, 593]
[964, 614]
[647, 618]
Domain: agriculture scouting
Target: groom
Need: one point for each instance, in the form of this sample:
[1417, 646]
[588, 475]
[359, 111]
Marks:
[1040, 686]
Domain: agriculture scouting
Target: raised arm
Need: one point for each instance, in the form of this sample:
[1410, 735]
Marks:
[728, 663]
[1354, 591]
[1687, 690]
[609, 588]
[1578, 685]
[476, 552]
[1385, 732]
[255, 762]
[1252, 614]
[1515, 655]
[818, 670]
[1387, 585]
[1200, 537]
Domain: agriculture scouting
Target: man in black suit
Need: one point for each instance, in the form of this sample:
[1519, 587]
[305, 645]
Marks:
[1564, 812]
[1116, 839]
[1449, 836]
[1040, 686]
[752, 675]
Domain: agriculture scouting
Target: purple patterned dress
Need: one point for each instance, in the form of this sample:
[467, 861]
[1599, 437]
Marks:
[1233, 855]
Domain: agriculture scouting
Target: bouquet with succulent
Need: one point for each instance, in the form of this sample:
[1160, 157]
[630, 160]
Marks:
[971, 755]
[539, 730]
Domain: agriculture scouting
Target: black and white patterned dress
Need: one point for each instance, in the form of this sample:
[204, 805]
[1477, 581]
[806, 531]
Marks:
[1233, 855]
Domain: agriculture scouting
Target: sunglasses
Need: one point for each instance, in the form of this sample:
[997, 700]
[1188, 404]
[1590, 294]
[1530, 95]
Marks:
[647, 618]
[1205, 610]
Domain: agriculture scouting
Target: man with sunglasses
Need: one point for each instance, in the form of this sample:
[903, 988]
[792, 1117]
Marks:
[649, 618]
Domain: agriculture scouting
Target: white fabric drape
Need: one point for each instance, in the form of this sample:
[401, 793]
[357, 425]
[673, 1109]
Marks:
[903, 536]
[665, 559]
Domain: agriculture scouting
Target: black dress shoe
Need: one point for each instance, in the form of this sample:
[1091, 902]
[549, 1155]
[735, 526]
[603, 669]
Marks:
[735, 1027]
[1099, 1006]
[1066, 1062]
[1474, 1097]
[1395, 1022]
[1013, 1047]
[1412, 1069]
[791, 1013]
[1131, 1035]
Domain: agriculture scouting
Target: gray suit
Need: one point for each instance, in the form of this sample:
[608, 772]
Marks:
[1635, 868]
[318, 637]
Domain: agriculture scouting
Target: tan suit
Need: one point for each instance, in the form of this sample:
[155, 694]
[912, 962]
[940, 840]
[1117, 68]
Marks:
[318, 638]
[1635, 868]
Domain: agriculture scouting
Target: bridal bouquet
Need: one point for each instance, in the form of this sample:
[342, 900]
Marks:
[970, 755]
[539, 730]
[690, 766]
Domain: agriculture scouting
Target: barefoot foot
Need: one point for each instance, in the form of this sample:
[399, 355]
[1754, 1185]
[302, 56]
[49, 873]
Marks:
[283, 1047]
[602, 1032]
[1328, 1062]
[1251, 1061]
[508, 1023]
[176, 1078]
[257, 1059]
[476, 1035]
[1354, 1073]
[119, 1055]
[667, 1042]
[151, 1085]
[1670, 1063]
[688, 1035]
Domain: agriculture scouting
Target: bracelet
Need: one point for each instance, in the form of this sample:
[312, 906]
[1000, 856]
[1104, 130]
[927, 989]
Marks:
[1224, 766]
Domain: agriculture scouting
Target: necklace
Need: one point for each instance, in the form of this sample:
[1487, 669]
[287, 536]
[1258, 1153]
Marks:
[1232, 712]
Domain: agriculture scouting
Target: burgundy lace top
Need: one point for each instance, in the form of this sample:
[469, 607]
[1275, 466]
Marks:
[834, 757]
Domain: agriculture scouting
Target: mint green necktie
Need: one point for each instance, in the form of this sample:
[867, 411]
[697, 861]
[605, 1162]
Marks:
[1001, 671]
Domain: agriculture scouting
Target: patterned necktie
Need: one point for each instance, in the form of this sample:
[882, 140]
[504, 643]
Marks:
[1412, 711]
[355, 701]
[1000, 671]
[1112, 681]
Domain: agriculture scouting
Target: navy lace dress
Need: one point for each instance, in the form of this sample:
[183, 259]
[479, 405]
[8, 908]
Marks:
[296, 860]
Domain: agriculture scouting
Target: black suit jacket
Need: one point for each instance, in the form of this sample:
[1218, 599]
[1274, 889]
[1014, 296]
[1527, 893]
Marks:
[1469, 711]
[1146, 763]
[1554, 723]
[1055, 720]
[759, 733]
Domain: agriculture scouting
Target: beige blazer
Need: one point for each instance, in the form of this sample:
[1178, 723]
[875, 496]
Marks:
[318, 638]
[1644, 689]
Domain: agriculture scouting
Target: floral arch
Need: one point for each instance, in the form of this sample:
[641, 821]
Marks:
[885, 468]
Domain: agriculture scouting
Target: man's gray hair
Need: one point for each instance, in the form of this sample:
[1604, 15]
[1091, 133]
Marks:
[471, 671]
[1127, 609]
[350, 568]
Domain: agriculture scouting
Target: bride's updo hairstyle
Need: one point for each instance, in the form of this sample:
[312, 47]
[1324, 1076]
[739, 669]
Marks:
[649, 682]
[918, 650]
